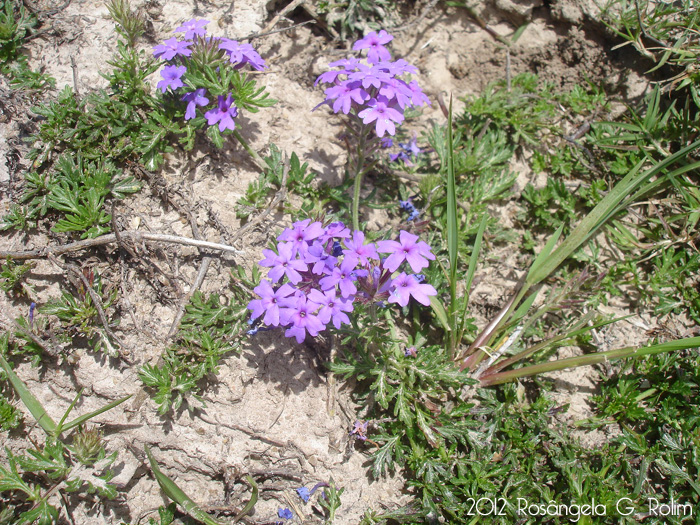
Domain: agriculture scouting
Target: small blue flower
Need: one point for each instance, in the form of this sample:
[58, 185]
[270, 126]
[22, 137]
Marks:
[304, 494]
[414, 215]
[285, 514]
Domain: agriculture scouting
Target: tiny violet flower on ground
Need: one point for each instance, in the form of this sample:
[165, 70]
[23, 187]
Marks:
[411, 352]
[172, 48]
[360, 430]
[304, 494]
[285, 514]
[171, 77]
[223, 114]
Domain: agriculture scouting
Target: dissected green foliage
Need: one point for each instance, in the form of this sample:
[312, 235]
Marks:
[211, 328]
[15, 24]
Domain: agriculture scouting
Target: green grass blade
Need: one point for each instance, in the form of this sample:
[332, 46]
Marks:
[176, 494]
[59, 427]
[440, 313]
[605, 209]
[253, 500]
[589, 359]
[82, 419]
[545, 253]
[32, 403]
[452, 226]
[473, 260]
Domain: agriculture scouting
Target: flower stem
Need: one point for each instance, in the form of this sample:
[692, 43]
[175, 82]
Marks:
[260, 163]
[359, 164]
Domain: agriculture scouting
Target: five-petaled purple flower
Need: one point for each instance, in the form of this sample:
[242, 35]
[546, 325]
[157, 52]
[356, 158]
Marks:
[407, 286]
[374, 43]
[332, 307]
[302, 319]
[172, 48]
[194, 99]
[242, 54]
[193, 28]
[284, 263]
[383, 114]
[269, 303]
[223, 114]
[408, 249]
[171, 77]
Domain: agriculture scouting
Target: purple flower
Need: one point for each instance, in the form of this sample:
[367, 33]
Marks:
[395, 89]
[171, 48]
[374, 43]
[285, 514]
[269, 304]
[407, 249]
[410, 352]
[302, 319]
[398, 67]
[223, 114]
[301, 233]
[357, 248]
[242, 54]
[193, 27]
[343, 277]
[387, 142]
[383, 114]
[284, 263]
[332, 308]
[32, 307]
[304, 494]
[194, 99]
[360, 430]
[344, 94]
[322, 261]
[370, 76]
[407, 286]
[418, 98]
[171, 77]
[335, 230]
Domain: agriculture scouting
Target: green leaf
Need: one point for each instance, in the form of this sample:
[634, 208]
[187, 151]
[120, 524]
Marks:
[31, 402]
[177, 495]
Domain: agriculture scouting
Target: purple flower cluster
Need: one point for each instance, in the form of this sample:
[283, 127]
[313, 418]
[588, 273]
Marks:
[178, 53]
[374, 91]
[318, 272]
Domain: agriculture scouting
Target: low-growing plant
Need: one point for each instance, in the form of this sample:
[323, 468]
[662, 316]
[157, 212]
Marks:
[63, 465]
[210, 329]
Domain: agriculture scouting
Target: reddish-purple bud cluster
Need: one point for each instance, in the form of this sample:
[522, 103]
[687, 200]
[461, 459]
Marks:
[318, 272]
